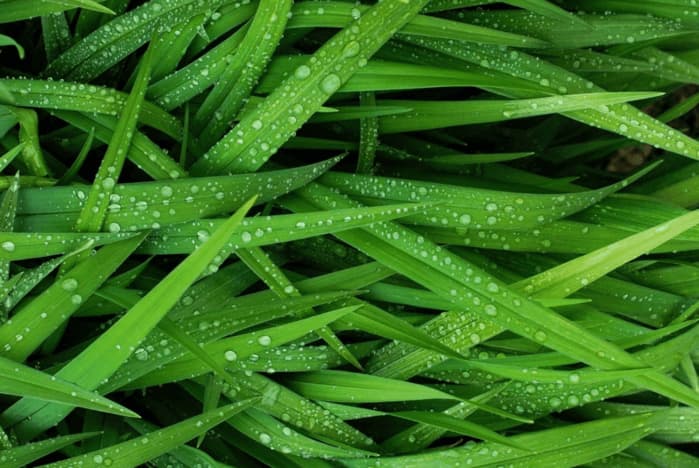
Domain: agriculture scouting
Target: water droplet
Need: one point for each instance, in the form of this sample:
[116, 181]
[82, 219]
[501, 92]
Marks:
[108, 183]
[230, 355]
[540, 336]
[69, 284]
[264, 340]
[265, 439]
[351, 49]
[8, 246]
[302, 72]
[330, 83]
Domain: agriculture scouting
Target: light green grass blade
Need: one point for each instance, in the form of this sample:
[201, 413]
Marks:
[230, 351]
[149, 205]
[24, 455]
[19, 380]
[15, 10]
[572, 276]
[8, 41]
[40, 317]
[427, 115]
[564, 335]
[153, 444]
[89, 368]
[458, 426]
[62, 95]
[563, 446]
[8, 157]
[349, 387]
[384, 75]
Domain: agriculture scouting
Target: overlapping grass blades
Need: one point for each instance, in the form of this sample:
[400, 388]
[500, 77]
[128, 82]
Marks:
[497, 270]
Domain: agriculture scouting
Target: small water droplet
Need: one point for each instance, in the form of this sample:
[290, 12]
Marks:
[264, 340]
[302, 72]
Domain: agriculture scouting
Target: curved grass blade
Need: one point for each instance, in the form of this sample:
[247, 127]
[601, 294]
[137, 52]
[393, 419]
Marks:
[32, 156]
[8, 41]
[16, 10]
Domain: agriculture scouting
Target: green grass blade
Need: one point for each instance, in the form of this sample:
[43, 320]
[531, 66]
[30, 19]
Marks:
[19, 380]
[569, 277]
[279, 116]
[15, 10]
[40, 317]
[89, 368]
[94, 211]
[24, 455]
[153, 444]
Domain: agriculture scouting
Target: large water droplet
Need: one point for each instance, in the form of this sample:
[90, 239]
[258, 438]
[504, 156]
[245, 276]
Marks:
[330, 83]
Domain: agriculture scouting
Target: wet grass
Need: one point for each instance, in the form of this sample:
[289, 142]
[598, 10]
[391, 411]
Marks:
[336, 233]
